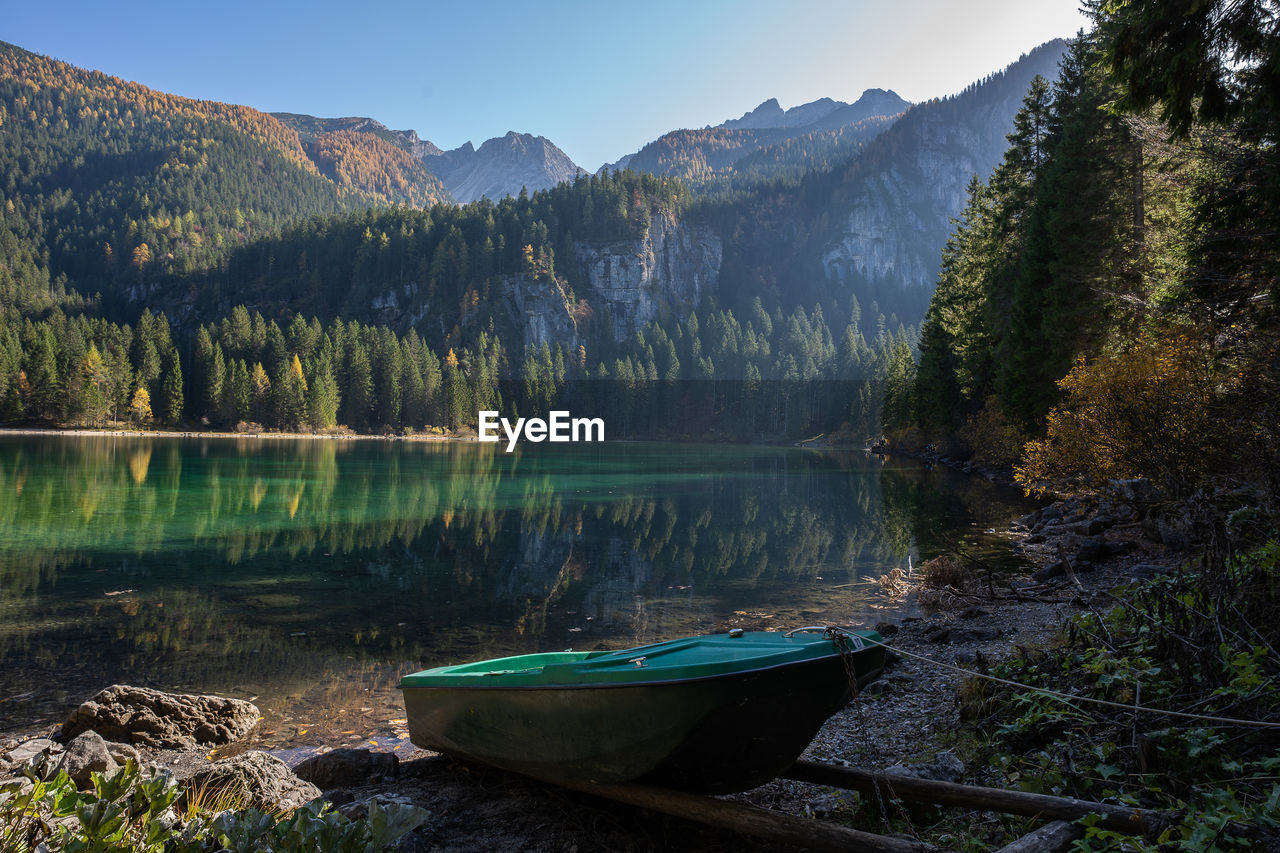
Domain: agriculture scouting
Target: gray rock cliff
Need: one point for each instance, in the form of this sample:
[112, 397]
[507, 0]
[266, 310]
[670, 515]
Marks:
[664, 273]
[899, 206]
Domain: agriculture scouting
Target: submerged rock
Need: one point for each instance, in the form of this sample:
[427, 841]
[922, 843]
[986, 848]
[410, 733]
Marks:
[255, 780]
[151, 718]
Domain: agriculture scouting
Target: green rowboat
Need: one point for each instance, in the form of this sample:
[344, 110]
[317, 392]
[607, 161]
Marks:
[715, 714]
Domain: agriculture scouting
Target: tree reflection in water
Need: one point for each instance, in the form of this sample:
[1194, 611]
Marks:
[273, 568]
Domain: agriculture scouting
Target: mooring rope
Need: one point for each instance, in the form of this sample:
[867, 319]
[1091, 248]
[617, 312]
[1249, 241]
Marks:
[1067, 698]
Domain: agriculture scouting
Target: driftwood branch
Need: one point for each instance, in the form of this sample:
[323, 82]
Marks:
[754, 821]
[1119, 818]
[1055, 837]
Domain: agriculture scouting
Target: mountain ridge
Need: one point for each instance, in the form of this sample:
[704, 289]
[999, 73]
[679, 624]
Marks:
[770, 114]
[707, 157]
[502, 166]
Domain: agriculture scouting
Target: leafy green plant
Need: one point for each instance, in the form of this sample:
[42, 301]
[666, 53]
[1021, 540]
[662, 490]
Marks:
[1200, 642]
[129, 812]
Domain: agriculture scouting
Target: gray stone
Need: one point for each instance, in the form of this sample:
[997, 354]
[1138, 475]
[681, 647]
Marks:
[1113, 511]
[945, 767]
[25, 785]
[1145, 571]
[123, 752]
[822, 806]
[1136, 491]
[1092, 550]
[886, 629]
[151, 718]
[359, 809]
[86, 754]
[1088, 527]
[1172, 526]
[340, 768]
[1053, 570]
[260, 780]
[17, 757]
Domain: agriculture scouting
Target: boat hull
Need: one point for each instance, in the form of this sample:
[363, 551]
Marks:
[717, 734]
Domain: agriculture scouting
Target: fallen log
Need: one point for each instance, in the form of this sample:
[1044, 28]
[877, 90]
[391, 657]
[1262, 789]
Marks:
[1055, 837]
[1120, 818]
[754, 821]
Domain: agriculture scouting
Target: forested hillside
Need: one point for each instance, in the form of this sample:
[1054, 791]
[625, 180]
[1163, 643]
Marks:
[872, 227]
[1110, 291]
[365, 162]
[1105, 324]
[717, 162]
[621, 279]
[108, 185]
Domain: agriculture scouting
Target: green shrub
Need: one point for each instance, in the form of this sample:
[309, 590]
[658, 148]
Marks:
[129, 812]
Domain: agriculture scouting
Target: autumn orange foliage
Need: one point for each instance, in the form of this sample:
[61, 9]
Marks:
[368, 163]
[60, 93]
[1146, 411]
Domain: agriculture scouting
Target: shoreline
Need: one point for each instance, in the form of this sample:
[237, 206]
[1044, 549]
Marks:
[85, 432]
[909, 716]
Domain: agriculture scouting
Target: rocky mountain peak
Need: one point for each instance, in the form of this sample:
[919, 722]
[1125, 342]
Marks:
[768, 114]
[501, 166]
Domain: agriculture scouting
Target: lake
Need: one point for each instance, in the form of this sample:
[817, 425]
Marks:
[308, 575]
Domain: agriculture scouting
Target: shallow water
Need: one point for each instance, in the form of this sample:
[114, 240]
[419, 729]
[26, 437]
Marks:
[309, 575]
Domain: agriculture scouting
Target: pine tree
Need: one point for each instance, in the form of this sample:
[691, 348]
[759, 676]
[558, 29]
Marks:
[171, 390]
[46, 394]
[897, 411]
[93, 400]
[322, 397]
[260, 390]
[290, 392]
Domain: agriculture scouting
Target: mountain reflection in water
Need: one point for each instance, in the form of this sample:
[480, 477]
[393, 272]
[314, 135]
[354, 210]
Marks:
[310, 574]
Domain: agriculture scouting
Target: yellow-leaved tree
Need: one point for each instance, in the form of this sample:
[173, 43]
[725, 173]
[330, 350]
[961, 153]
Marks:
[1145, 411]
[140, 405]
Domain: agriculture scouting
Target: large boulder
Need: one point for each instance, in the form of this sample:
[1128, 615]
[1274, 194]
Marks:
[86, 754]
[343, 768]
[163, 720]
[253, 780]
[1138, 491]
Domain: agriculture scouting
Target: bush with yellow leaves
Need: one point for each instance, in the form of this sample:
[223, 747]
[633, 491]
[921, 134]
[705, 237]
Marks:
[1148, 410]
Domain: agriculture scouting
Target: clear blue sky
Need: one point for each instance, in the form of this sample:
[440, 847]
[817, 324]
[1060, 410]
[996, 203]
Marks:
[599, 79]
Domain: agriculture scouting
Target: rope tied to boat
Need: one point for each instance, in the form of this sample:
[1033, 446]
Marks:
[1065, 698]
[849, 643]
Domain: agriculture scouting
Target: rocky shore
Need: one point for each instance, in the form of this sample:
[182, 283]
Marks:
[905, 722]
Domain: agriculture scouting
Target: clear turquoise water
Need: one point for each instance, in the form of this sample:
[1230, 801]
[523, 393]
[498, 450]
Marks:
[311, 574]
